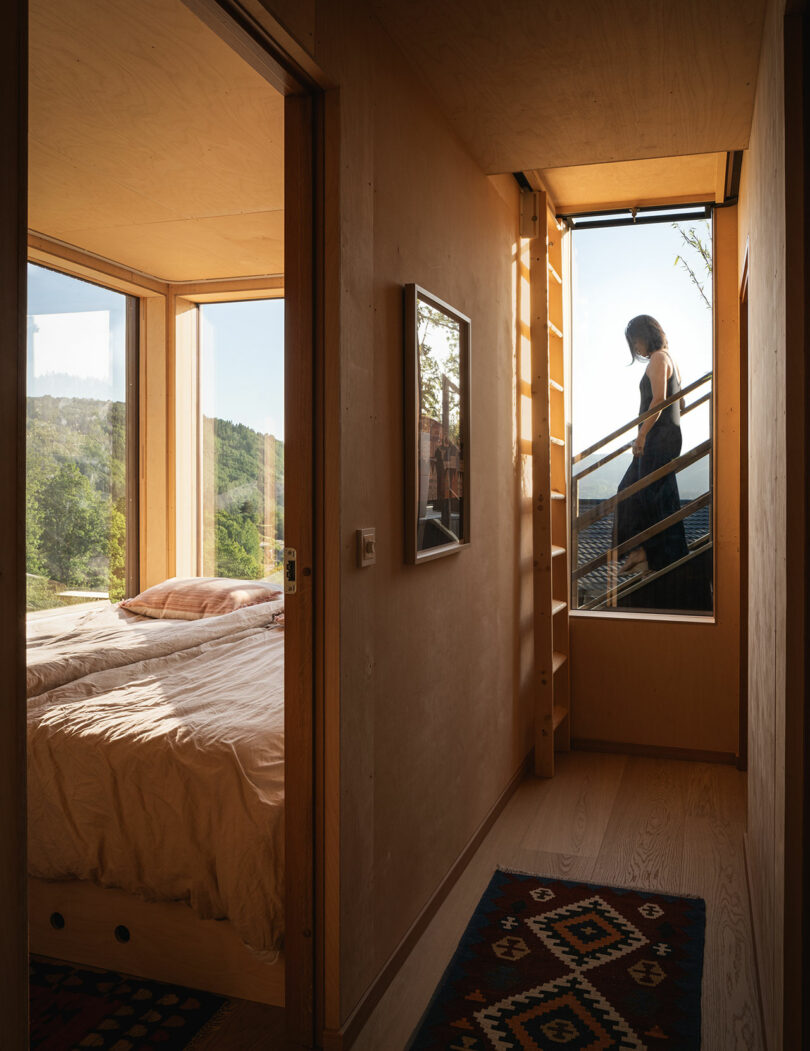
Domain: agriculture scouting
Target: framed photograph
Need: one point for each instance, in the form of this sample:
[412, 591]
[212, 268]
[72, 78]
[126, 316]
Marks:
[437, 427]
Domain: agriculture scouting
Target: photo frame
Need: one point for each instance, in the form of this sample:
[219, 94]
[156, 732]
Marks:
[437, 427]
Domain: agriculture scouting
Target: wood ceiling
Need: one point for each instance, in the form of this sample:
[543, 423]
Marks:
[151, 142]
[531, 85]
[634, 184]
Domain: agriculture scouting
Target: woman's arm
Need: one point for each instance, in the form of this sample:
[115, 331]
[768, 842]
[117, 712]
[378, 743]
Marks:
[658, 371]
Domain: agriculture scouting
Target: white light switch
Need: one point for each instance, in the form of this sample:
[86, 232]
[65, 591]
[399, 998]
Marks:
[366, 547]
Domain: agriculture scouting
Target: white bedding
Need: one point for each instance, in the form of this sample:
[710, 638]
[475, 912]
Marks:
[79, 640]
[165, 776]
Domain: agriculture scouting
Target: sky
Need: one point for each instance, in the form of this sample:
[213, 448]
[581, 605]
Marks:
[243, 363]
[76, 337]
[620, 272]
[77, 348]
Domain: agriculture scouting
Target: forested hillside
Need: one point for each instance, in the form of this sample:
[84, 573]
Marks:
[242, 543]
[76, 499]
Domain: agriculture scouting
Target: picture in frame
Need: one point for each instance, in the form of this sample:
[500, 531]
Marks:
[437, 427]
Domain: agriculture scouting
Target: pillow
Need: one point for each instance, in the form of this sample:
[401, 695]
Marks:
[192, 598]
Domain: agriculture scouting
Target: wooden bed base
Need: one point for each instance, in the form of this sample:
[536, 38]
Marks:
[77, 921]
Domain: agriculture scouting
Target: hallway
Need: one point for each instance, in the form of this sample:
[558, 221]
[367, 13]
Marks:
[658, 824]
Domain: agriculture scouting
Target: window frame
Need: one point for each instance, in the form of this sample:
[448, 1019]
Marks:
[657, 616]
[133, 356]
[185, 404]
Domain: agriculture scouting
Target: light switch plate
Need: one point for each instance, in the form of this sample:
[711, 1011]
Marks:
[366, 547]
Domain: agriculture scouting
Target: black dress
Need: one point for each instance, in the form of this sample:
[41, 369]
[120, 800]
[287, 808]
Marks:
[660, 499]
[687, 588]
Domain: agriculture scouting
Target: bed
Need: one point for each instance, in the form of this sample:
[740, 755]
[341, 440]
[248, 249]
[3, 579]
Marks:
[155, 793]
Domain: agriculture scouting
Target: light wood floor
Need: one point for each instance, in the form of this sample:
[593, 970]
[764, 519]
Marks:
[656, 824]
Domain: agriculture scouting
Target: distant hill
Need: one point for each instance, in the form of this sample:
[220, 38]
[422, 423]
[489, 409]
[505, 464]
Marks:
[604, 482]
[76, 498]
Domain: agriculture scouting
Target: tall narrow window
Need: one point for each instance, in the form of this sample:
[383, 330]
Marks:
[641, 529]
[78, 417]
[242, 439]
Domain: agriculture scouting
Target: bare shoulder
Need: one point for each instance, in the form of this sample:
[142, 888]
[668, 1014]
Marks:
[661, 363]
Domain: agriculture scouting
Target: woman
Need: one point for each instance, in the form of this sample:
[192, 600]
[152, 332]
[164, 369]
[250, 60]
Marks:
[657, 443]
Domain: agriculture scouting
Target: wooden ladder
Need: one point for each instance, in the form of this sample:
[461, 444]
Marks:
[549, 482]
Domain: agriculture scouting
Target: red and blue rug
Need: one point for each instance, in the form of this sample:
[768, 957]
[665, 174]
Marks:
[549, 963]
[78, 1008]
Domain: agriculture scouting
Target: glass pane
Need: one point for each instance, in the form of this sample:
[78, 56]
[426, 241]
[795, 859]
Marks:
[441, 466]
[663, 271]
[242, 439]
[76, 483]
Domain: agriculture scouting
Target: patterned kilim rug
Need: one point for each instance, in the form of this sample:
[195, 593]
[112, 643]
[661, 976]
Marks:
[548, 963]
[77, 1007]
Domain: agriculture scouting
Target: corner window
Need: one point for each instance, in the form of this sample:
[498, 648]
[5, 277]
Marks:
[81, 414]
[241, 444]
[641, 481]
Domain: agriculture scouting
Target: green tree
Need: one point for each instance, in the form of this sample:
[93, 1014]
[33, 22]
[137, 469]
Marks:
[75, 522]
[238, 551]
[699, 240]
[435, 329]
[117, 552]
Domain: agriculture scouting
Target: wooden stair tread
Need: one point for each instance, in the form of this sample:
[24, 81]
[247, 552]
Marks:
[556, 550]
[558, 715]
[557, 660]
[557, 606]
[557, 495]
[555, 385]
[556, 441]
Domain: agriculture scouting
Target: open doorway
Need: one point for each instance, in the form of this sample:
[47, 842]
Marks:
[158, 206]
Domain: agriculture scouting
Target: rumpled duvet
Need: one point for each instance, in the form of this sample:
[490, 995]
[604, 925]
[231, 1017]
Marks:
[82, 640]
[164, 775]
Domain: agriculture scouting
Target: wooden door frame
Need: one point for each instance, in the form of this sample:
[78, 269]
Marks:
[796, 827]
[13, 291]
[742, 730]
[304, 267]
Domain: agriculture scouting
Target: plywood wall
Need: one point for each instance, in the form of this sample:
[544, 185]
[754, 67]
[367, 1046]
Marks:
[678, 687]
[432, 721]
[763, 235]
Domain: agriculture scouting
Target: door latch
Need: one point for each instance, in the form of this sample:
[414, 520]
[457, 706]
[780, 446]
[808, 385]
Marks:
[290, 571]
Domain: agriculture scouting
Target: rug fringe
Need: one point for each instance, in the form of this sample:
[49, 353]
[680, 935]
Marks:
[600, 883]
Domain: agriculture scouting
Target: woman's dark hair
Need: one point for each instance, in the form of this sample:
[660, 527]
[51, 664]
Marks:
[646, 329]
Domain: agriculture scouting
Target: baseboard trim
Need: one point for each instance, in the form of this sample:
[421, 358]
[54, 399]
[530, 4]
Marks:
[343, 1038]
[654, 751]
[754, 941]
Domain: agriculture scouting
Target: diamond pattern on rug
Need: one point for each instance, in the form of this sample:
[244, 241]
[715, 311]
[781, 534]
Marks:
[586, 933]
[569, 1012]
[587, 968]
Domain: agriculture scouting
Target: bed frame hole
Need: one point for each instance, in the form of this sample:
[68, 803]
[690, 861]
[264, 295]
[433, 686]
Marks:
[121, 933]
[57, 921]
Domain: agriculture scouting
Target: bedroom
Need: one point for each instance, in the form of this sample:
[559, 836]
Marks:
[157, 450]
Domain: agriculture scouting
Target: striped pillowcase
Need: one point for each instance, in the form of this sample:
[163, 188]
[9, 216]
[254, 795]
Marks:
[192, 598]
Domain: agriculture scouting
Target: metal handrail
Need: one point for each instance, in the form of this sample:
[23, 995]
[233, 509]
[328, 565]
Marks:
[678, 464]
[634, 583]
[608, 505]
[658, 407]
[636, 541]
[629, 445]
